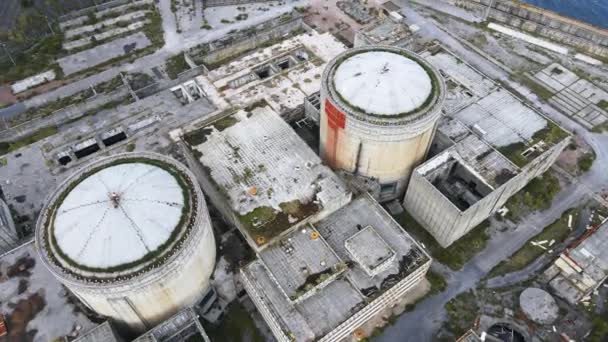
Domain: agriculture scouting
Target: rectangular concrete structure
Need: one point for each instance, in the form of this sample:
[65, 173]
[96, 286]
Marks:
[323, 281]
[488, 146]
[263, 177]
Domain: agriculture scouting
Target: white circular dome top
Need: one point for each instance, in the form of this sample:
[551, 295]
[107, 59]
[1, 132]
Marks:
[118, 215]
[383, 83]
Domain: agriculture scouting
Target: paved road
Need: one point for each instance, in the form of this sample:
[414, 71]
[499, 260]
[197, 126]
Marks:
[422, 324]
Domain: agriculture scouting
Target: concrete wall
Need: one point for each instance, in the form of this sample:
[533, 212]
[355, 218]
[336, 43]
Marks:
[446, 222]
[239, 42]
[544, 23]
[8, 233]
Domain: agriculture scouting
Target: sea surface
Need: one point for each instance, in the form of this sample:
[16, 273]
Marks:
[594, 12]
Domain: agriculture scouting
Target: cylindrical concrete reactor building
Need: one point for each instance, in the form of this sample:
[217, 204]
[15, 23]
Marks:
[379, 110]
[131, 237]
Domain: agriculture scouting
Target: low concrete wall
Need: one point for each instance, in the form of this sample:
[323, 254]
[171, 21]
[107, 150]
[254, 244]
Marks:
[544, 23]
[215, 3]
[264, 34]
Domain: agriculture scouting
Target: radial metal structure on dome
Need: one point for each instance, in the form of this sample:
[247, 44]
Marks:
[379, 109]
[130, 236]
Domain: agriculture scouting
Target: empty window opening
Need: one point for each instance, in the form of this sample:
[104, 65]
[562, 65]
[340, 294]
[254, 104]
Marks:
[86, 151]
[264, 72]
[111, 140]
[388, 189]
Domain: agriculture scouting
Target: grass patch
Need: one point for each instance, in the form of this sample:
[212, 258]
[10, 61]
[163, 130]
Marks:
[197, 137]
[154, 29]
[603, 104]
[6, 147]
[225, 122]
[176, 65]
[550, 134]
[30, 62]
[601, 128]
[458, 253]
[237, 326]
[537, 195]
[265, 223]
[462, 312]
[536, 88]
[438, 283]
[558, 231]
[599, 328]
[586, 161]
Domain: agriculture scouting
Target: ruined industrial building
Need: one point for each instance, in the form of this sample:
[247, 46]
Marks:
[350, 266]
[488, 146]
[582, 268]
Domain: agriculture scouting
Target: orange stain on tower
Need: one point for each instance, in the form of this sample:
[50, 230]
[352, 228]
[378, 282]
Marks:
[336, 120]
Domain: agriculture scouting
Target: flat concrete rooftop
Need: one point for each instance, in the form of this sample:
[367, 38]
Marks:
[282, 74]
[489, 111]
[271, 179]
[490, 130]
[328, 264]
[385, 32]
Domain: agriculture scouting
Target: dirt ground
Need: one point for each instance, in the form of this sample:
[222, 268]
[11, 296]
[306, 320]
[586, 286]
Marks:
[25, 310]
[569, 159]
[6, 96]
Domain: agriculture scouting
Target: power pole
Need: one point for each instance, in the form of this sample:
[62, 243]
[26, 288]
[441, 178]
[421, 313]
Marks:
[8, 54]
[49, 24]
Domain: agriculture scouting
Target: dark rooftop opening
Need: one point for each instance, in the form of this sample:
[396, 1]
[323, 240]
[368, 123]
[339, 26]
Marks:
[111, 140]
[65, 160]
[87, 151]
[461, 186]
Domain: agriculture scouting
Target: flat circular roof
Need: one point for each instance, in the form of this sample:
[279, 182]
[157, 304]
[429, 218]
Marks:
[118, 215]
[383, 83]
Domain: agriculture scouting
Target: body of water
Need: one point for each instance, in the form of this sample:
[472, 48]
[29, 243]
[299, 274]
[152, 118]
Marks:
[592, 11]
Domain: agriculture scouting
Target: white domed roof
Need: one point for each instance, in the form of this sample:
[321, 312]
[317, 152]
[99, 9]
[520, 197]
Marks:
[118, 215]
[383, 83]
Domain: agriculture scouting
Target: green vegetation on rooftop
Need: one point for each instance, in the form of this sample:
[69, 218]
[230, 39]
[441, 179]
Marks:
[550, 134]
[558, 231]
[456, 255]
[264, 223]
[536, 88]
[225, 122]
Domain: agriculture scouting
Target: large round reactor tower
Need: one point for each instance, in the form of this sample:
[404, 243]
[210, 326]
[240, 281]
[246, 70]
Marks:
[130, 236]
[379, 109]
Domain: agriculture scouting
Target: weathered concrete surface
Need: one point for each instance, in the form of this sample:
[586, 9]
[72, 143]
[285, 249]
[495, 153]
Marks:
[548, 24]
